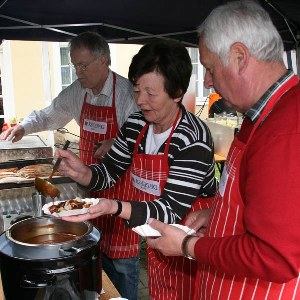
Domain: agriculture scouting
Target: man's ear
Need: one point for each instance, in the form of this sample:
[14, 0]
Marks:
[240, 55]
[103, 60]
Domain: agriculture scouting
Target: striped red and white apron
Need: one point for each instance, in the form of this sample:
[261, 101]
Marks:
[168, 277]
[117, 240]
[97, 123]
[228, 205]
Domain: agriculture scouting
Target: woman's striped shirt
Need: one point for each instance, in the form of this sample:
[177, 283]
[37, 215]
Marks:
[191, 173]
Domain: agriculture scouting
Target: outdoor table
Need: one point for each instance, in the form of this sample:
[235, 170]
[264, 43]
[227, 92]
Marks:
[220, 162]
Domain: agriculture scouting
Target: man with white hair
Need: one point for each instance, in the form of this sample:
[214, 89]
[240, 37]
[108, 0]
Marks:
[250, 247]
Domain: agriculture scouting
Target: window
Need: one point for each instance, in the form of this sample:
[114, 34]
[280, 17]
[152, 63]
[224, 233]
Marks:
[198, 73]
[194, 58]
[68, 74]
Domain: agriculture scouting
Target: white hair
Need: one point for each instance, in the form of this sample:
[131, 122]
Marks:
[242, 21]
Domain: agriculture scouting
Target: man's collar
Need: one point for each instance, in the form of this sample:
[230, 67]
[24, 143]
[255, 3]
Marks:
[255, 111]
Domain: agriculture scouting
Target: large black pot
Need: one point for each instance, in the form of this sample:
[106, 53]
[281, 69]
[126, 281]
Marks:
[67, 271]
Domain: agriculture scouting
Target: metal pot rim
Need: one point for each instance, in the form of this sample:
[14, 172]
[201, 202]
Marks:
[54, 245]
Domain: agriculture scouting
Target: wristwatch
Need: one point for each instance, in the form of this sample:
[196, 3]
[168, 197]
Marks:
[184, 246]
[119, 210]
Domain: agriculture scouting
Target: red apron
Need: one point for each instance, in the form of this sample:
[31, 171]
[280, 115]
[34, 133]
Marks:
[97, 123]
[117, 241]
[169, 277]
[227, 219]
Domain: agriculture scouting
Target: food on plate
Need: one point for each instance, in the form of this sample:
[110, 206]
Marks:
[71, 207]
[71, 204]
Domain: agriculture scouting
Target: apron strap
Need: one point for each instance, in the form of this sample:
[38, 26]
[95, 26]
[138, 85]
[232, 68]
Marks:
[139, 139]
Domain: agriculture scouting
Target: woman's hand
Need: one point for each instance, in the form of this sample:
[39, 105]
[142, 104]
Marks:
[103, 207]
[104, 148]
[197, 220]
[71, 166]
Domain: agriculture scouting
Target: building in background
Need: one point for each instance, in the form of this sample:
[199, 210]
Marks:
[32, 73]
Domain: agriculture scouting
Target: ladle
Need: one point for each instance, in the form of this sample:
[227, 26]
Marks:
[45, 187]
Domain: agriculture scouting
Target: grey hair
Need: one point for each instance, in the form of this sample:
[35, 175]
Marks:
[242, 21]
[92, 41]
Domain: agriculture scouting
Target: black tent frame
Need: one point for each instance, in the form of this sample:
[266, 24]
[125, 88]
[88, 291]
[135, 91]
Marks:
[129, 21]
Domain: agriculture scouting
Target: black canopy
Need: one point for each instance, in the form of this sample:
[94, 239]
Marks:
[127, 21]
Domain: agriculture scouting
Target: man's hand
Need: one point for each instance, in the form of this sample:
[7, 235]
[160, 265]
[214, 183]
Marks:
[170, 242]
[15, 133]
[104, 148]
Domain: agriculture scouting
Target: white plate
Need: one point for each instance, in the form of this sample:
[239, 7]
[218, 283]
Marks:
[72, 212]
[146, 230]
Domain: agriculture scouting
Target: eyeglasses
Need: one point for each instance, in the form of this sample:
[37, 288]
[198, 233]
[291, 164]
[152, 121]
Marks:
[82, 67]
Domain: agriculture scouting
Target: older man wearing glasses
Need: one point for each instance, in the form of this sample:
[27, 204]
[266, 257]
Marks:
[100, 102]
[97, 89]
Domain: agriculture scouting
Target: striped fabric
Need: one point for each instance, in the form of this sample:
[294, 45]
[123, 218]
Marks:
[117, 241]
[168, 277]
[190, 160]
[249, 249]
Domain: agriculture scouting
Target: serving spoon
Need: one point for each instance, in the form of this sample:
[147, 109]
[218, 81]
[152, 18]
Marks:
[45, 187]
